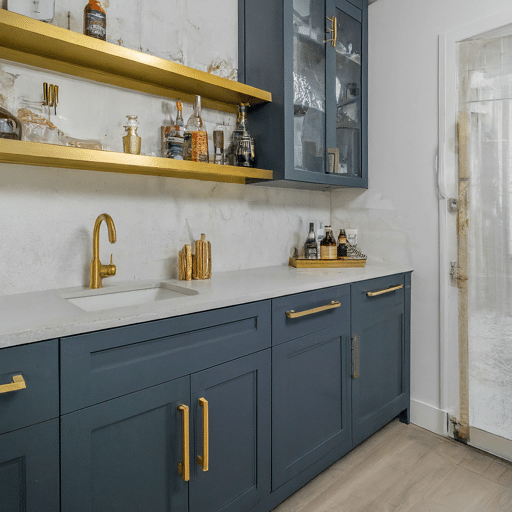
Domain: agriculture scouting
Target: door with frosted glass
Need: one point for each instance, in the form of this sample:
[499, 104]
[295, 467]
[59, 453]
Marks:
[485, 175]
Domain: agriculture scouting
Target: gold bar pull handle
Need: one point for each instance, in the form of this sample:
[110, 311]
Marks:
[203, 460]
[333, 305]
[333, 30]
[18, 382]
[355, 350]
[45, 93]
[184, 466]
[385, 290]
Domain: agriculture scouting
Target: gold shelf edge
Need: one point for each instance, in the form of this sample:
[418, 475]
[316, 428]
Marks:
[22, 35]
[48, 155]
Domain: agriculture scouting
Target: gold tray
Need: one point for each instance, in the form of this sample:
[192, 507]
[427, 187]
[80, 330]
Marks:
[339, 263]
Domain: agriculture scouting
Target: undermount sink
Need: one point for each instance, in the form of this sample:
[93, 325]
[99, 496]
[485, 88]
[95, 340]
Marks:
[122, 296]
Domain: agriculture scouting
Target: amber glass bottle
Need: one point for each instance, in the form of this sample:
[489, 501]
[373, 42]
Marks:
[95, 20]
[342, 244]
[328, 245]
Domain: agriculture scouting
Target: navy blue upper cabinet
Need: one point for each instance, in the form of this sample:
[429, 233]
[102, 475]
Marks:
[312, 56]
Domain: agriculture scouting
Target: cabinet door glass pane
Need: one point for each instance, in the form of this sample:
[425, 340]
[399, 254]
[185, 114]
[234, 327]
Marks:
[348, 93]
[309, 85]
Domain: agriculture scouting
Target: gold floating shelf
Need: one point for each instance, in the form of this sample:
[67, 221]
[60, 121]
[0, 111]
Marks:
[339, 263]
[39, 44]
[48, 155]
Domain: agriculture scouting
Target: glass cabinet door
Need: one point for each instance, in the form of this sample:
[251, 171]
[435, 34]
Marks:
[309, 85]
[344, 89]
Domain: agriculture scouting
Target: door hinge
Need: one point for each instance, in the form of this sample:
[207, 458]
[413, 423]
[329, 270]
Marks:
[455, 273]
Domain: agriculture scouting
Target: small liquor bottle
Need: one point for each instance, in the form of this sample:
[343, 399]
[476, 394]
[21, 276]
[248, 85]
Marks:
[342, 244]
[218, 146]
[196, 139]
[320, 233]
[176, 136]
[328, 245]
[95, 20]
[310, 249]
[131, 141]
[238, 153]
[165, 133]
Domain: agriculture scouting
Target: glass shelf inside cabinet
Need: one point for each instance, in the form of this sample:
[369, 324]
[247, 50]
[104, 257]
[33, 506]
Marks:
[309, 85]
[348, 94]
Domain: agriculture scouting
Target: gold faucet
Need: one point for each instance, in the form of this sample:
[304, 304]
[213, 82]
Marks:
[99, 271]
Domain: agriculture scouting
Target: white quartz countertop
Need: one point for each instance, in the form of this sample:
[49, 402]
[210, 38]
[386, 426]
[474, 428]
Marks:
[43, 315]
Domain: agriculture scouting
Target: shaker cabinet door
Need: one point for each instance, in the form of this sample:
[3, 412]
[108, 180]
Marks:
[310, 400]
[124, 454]
[236, 440]
[29, 469]
[380, 378]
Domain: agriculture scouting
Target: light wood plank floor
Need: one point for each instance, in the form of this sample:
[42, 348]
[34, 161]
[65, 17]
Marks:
[405, 468]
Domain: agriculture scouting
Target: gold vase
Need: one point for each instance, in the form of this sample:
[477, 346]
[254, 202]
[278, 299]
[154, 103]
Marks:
[131, 141]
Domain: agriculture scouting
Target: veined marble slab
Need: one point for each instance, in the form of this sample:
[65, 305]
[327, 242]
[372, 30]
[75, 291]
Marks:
[37, 316]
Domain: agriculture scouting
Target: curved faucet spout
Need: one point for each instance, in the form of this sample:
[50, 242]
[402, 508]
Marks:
[96, 233]
[98, 271]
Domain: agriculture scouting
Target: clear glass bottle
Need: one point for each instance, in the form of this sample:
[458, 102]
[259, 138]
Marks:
[131, 141]
[218, 145]
[95, 20]
[165, 132]
[328, 245]
[196, 138]
[176, 137]
[320, 233]
[10, 126]
[238, 133]
[342, 244]
[310, 249]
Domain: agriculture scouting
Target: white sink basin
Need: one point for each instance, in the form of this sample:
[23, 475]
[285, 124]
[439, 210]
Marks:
[122, 296]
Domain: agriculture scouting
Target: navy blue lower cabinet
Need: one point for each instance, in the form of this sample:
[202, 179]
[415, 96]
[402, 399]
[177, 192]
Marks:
[310, 400]
[124, 454]
[238, 400]
[29, 469]
[380, 354]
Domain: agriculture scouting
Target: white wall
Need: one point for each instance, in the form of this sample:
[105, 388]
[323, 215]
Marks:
[47, 215]
[398, 216]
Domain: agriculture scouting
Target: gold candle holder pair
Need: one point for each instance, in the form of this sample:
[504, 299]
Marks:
[198, 265]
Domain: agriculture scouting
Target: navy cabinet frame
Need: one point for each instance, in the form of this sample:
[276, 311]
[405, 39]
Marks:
[265, 60]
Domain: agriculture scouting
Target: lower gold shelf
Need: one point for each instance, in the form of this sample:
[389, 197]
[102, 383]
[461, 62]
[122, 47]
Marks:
[48, 155]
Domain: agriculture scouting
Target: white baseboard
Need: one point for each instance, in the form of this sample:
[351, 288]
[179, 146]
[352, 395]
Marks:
[491, 443]
[429, 417]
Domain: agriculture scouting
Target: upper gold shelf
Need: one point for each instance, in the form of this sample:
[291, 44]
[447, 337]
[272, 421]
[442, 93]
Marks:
[39, 44]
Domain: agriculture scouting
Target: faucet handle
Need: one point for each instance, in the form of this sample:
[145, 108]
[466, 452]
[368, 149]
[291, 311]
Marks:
[110, 269]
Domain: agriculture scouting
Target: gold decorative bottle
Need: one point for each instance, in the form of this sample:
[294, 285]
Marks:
[131, 141]
[95, 20]
[196, 139]
[328, 245]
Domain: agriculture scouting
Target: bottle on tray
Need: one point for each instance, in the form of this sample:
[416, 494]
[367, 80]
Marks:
[342, 244]
[310, 249]
[328, 245]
